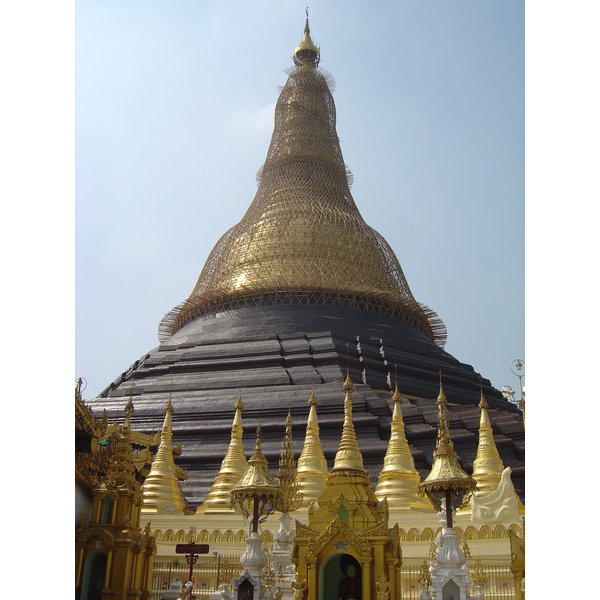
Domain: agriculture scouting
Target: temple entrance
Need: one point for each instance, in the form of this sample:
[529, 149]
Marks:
[94, 572]
[340, 577]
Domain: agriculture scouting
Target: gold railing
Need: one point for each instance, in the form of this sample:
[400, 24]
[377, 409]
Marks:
[208, 572]
[211, 572]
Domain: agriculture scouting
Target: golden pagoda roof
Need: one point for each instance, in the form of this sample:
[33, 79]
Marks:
[446, 473]
[303, 239]
[256, 480]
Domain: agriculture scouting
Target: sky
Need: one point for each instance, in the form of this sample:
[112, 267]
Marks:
[174, 107]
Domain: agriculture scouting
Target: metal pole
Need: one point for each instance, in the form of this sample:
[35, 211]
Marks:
[449, 508]
[255, 515]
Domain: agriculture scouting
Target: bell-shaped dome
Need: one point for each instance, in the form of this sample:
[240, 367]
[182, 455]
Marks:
[303, 240]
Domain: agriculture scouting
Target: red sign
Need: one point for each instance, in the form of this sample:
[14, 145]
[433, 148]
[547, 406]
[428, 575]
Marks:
[191, 548]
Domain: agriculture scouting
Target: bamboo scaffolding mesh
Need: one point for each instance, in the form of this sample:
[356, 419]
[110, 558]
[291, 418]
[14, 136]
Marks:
[303, 240]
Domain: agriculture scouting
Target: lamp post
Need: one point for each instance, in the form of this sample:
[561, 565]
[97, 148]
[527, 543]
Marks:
[517, 367]
[257, 492]
[447, 485]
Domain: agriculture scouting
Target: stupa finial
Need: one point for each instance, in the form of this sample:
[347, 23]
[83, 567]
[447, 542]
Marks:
[128, 412]
[307, 53]
[168, 412]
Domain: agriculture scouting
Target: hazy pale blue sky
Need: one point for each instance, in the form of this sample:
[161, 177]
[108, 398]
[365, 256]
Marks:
[174, 114]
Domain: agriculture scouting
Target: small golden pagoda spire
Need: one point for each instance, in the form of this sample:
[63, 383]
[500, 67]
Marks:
[128, 411]
[290, 498]
[161, 490]
[306, 52]
[232, 468]
[256, 483]
[399, 480]
[446, 480]
[312, 473]
[348, 455]
[120, 475]
[487, 466]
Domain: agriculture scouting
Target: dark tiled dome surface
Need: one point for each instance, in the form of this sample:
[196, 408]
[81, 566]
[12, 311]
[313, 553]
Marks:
[273, 356]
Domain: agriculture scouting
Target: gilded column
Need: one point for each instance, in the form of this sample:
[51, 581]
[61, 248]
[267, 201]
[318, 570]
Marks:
[108, 569]
[366, 581]
[79, 567]
[312, 578]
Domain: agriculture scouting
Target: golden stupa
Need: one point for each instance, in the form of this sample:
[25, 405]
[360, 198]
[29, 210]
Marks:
[303, 240]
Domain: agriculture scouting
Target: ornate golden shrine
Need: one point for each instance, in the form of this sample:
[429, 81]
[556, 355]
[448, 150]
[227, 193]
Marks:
[114, 557]
[348, 522]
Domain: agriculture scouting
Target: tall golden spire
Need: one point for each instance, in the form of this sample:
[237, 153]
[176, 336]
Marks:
[161, 491]
[487, 466]
[306, 53]
[446, 478]
[312, 473]
[348, 455]
[399, 480]
[290, 498]
[303, 239]
[232, 468]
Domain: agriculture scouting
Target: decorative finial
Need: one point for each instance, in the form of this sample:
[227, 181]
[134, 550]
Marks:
[129, 405]
[128, 412]
[238, 405]
[306, 53]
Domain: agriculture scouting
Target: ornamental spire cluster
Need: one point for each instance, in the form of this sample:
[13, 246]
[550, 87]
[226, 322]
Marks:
[286, 474]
